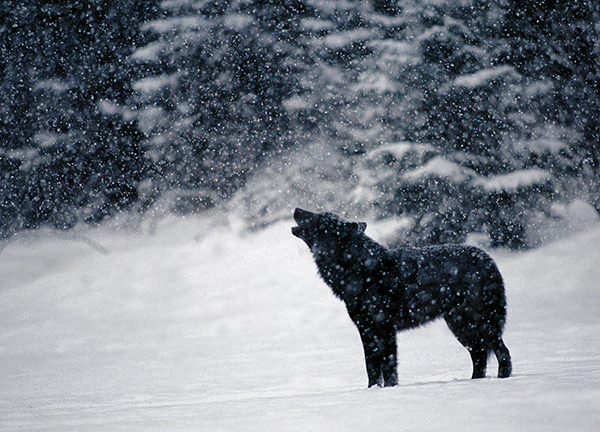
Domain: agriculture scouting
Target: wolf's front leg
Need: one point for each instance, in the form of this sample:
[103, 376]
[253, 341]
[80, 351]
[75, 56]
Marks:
[373, 357]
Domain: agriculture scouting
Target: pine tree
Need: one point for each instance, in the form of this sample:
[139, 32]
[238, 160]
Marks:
[459, 128]
[555, 43]
[213, 101]
[64, 157]
[339, 42]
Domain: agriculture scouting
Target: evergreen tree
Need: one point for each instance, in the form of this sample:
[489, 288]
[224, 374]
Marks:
[339, 42]
[466, 125]
[462, 116]
[555, 43]
[64, 156]
[213, 101]
[326, 115]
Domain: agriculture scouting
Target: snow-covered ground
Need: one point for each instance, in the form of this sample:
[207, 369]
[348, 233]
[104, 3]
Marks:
[202, 328]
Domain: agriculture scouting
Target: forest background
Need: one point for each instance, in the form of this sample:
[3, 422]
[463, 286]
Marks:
[455, 117]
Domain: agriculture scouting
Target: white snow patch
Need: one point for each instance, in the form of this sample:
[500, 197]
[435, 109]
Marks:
[440, 168]
[296, 103]
[567, 219]
[340, 40]
[150, 117]
[539, 88]
[540, 146]
[153, 84]
[438, 33]
[150, 52]
[177, 24]
[375, 82]
[316, 25]
[238, 22]
[485, 77]
[108, 107]
[55, 85]
[521, 179]
[394, 48]
[46, 139]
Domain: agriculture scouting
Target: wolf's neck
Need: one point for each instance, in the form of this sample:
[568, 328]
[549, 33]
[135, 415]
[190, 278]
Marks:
[351, 267]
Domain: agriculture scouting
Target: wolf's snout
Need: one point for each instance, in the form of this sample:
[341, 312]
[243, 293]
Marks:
[303, 217]
[298, 214]
[298, 217]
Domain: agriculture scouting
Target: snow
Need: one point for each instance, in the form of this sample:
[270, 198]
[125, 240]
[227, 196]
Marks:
[238, 22]
[316, 25]
[110, 108]
[149, 118]
[485, 77]
[541, 146]
[169, 25]
[399, 151]
[395, 50]
[296, 103]
[440, 168]
[375, 82]
[339, 40]
[55, 85]
[149, 53]
[521, 179]
[153, 84]
[201, 327]
[46, 139]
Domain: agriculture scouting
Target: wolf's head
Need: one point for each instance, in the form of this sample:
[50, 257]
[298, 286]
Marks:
[323, 227]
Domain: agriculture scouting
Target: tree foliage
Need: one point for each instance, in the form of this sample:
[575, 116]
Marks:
[461, 116]
[213, 105]
[63, 158]
[496, 157]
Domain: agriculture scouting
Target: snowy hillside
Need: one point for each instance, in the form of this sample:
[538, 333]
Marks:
[203, 328]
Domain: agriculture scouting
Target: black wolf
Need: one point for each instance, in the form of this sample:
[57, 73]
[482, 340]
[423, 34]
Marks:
[386, 291]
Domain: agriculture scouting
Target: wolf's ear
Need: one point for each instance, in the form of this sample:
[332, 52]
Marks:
[357, 227]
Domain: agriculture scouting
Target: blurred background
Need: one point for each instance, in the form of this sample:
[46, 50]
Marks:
[447, 118]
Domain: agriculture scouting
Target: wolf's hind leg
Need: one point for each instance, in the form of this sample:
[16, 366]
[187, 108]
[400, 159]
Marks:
[479, 356]
[503, 356]
[471, 340]
[389, 363]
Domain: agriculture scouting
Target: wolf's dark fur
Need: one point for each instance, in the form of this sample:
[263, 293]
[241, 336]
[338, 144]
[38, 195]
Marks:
[386, 291]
